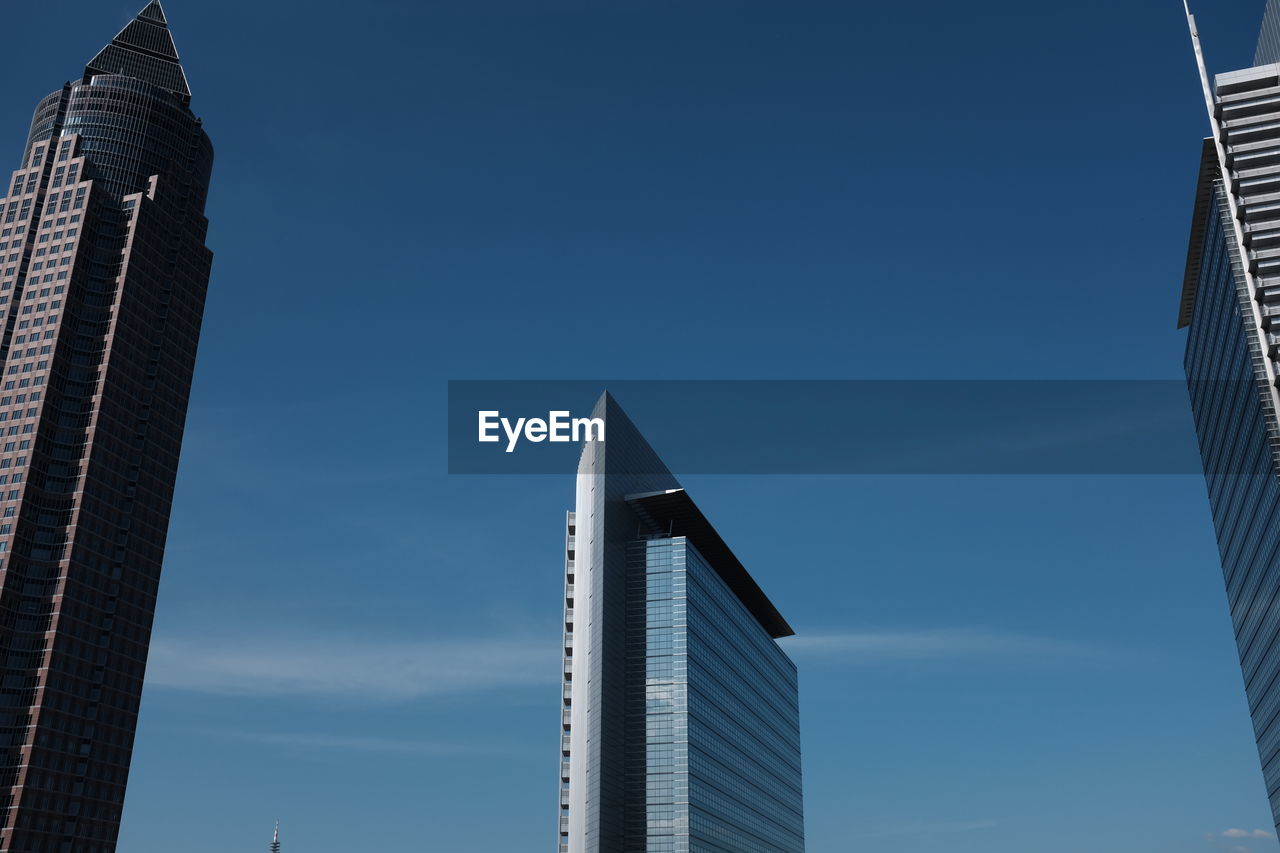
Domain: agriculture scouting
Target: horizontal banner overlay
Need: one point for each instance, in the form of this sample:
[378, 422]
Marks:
[840, 427]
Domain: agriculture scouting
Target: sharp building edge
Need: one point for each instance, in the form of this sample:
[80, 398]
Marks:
[680, 727]
[1230, 306]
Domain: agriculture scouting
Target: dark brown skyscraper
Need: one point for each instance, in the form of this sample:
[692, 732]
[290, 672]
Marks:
[103, 272]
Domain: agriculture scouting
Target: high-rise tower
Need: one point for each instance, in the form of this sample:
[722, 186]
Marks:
[680, 724]
[103, 272]
[1231, 304]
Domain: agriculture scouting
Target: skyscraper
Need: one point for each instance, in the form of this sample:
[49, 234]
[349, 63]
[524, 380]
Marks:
[680, 724]
[1231, 304]
[103, 272]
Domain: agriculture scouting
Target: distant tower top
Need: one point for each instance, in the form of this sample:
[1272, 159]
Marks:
[275, 838]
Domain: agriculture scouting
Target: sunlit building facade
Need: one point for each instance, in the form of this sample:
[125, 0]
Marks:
[680, 719]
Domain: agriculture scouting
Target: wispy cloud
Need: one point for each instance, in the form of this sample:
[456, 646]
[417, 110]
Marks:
[877, 646]
[363, 670]
[393, 746]
[936, 828]
[1246, 833]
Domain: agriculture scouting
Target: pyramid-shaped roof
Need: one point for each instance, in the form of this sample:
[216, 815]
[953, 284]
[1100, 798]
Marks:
[154, 12]
[144, 49]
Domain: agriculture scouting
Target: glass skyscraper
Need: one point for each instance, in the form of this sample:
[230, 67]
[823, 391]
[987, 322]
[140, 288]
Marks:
[103, 273]
[1231, 305]
[680, 722]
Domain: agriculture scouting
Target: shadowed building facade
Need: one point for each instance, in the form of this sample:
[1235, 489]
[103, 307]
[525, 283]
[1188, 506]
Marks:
[1231, 307]
[680, 720]
[103, 273]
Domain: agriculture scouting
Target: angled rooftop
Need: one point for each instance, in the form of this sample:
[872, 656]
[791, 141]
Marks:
[144, 49]
[675, 512]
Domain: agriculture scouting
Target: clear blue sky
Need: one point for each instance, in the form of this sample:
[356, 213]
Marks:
[407, 192]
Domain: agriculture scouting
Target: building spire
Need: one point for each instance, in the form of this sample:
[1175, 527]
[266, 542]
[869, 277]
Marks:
[144, 49]
[275, 839]
[154, 12]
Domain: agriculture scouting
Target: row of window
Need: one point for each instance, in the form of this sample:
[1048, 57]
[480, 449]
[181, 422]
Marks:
[53, 250]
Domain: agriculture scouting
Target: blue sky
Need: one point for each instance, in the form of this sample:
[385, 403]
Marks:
[355, 642]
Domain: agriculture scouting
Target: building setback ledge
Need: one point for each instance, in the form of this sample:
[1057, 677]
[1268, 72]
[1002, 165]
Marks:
[675, 513]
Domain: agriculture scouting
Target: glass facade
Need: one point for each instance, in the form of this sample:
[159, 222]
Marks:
[721, 724]
[1231, 302]
[1269, 40]
[1244, 490]
[681, 719]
